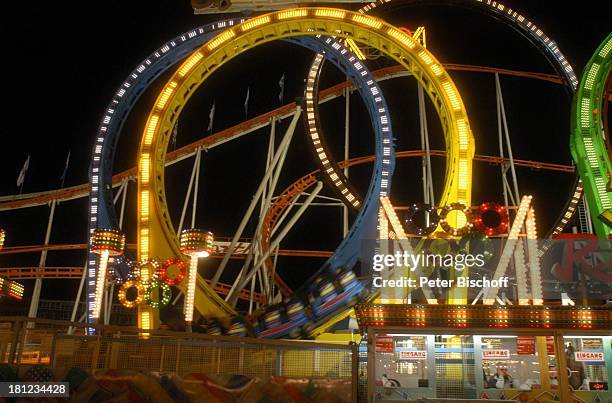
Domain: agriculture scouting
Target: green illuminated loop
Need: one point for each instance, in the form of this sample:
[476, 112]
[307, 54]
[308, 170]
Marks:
[588, 139]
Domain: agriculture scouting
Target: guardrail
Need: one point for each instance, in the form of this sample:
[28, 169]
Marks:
[61, 344]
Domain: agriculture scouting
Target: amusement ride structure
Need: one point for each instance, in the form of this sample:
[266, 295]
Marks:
[257, 301]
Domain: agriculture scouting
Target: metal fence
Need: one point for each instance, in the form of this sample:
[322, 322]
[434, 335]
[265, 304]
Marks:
[60, 344]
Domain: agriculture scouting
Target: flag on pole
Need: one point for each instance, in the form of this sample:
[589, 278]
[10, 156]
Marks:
[174, 134]
[211, 118]
[22, 173]
[246, 103]
[63, 177]
[281, 84]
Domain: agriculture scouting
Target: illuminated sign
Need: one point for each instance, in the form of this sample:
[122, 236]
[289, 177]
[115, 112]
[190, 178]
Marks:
[598, 385]
[413, 355]
[495, 354]
[525, 345]
[384, 344]
[589, 356]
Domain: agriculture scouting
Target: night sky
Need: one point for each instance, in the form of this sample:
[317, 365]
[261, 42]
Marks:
[63, 61]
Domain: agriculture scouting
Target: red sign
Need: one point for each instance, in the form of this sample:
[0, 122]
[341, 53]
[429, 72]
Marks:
[550, 345]
[525, 345]
[384, 344]
[589, 356]
[413, 355]
[495, 354]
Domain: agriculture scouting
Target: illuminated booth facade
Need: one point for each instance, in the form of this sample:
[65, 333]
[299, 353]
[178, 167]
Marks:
[512, 353]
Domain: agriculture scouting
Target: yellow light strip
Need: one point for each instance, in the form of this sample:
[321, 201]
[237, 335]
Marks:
[437, 70]
[151, 127]
[534, 259]
[464, 135]
[463, 176]
[521, 274]
[191, 283]
[402, 37]
[143, 251]
[163, 99]
[324, 12]
[426, 57]
[369, 21]
[383, 225]
[221, 38]
[420, 36]
[396, 225]
[190, 63]
[144, 205]
[100, 282]
[255, 22]
[355, 49]
[145, 164]
[452, 95]
[283, 15]
[145, 321]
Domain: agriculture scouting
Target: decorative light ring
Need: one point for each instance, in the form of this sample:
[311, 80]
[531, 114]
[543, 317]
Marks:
[2, 238]
[110, 240]
[145, 271]
[491, 207]
[164, 289]
[122, 295]
[459, 207]
[115, 274]
[417, 229]
[163, 271]
[134, 273]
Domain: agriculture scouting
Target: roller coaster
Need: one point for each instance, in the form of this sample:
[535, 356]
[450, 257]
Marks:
[158, 260]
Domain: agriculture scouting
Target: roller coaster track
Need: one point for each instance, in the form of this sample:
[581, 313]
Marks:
[588, 140]
[68, 194]
[12, 202]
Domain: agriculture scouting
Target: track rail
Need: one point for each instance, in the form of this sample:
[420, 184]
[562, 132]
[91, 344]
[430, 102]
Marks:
[50, 273]
[11, 250]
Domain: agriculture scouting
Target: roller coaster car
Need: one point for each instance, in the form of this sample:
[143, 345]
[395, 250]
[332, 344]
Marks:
[239, 327]
[345, 291]
[213, 327]
[282, 320]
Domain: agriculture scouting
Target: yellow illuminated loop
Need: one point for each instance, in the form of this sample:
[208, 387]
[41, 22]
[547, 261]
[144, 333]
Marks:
[156, 235]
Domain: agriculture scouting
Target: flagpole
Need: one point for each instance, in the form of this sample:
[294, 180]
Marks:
[246, 103]
[22, 174]
[211, 118]
[63, 177]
